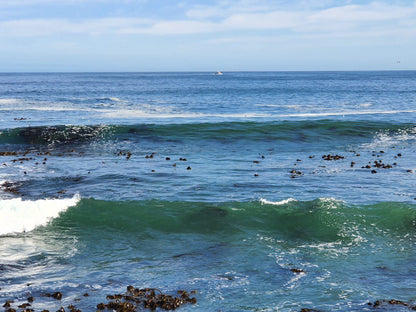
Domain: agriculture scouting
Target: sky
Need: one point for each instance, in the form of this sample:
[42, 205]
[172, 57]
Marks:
[202, 35]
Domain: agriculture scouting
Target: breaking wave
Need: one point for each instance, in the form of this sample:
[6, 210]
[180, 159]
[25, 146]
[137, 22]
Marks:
[17, 215]
[321, 220]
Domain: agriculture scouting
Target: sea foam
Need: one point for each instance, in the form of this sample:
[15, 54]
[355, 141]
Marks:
[278, 203]
[17, 215]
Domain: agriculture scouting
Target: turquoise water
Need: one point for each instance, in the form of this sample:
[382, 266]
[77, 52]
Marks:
[218, 184]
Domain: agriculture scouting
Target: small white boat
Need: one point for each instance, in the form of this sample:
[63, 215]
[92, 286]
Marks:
[218, 73]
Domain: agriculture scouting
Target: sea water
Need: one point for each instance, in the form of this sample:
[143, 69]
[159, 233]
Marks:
[260, 191]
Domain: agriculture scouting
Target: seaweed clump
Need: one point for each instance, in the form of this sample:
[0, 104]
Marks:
[132, 301]
[379, 303]
[148, 298]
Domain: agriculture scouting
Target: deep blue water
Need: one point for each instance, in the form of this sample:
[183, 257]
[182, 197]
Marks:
[261, 191]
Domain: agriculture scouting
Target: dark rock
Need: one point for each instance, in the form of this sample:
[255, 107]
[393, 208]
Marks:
[101, 306]
[380, 303]
[332, 157]
[8, 304]
[57, 295]
[11, 187]
[8, 153]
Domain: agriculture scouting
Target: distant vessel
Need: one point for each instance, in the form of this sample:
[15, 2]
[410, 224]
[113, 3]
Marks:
[218, 73]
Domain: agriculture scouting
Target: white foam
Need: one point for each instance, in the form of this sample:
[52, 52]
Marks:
[163, 113]
[17, 215]
[331, 200]
[8, 101]
[44, 108]
[278, 203]
[166, 114]
[349, 113]
[114, 99]
[385, 139]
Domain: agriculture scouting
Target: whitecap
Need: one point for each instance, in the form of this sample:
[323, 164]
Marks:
[17, 215]
[8, 101]
[384, 139]
[278, 203]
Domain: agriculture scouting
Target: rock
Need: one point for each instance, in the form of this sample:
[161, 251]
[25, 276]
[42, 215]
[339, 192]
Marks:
[57, 295]
[332, 157]
[8, 304]
[8, 153]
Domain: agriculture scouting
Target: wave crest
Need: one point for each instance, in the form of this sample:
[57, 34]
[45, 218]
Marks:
[278, 203]
[17, 215]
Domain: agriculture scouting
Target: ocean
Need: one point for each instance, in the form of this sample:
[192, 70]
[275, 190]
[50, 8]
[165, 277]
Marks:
[252, 191]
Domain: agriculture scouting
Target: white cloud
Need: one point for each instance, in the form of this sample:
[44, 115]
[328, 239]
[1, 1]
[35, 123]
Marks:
[45, 27]
[225, 9]
[227, 17]
[364, 13]
[181, 27]
[256, 21]
[15, 3]
[204, 12]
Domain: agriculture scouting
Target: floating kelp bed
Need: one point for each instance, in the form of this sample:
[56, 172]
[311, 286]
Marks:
[133, 300]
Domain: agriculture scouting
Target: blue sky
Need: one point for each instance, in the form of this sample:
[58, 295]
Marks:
[200, 35]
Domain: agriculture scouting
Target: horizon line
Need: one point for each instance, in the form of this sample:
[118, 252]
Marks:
[206, 71]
